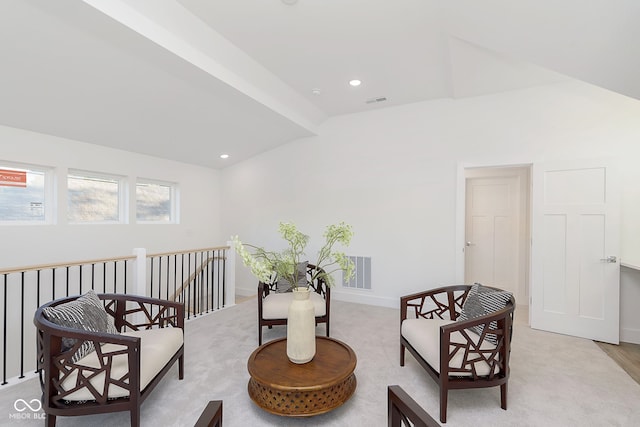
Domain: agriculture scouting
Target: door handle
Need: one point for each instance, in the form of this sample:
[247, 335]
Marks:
[469, 244]
[611, 259]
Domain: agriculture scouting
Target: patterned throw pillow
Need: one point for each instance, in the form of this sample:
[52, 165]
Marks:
[283, 284]
[87, 313]
[482, 300]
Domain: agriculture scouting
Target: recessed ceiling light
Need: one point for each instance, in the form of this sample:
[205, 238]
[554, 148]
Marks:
[224, 156]
[316, 91]
[355, 82]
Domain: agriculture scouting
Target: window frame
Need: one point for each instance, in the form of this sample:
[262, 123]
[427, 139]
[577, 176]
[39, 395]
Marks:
[122, 196]
[50, 199]
[173, 201]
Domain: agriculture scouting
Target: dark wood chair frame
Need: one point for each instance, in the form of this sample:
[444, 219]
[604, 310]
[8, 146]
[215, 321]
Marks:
[211, 416]
[319, 286]
[448, 303]
[54, 365]
[404, 411]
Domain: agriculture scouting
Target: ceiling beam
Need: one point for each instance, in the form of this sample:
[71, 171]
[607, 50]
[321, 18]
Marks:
[171, 26]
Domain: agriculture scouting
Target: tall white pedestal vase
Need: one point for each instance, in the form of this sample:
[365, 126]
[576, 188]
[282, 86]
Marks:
[301, 327]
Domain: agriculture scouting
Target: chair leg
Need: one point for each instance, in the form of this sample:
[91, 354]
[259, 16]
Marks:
[401, 355]
[259, 335]
[135, 417]
[50, 420]
[181, 367]
[503, 396]
[327, 329]
[443, 404]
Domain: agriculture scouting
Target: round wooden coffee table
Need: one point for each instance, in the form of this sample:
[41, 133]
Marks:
[282, 387]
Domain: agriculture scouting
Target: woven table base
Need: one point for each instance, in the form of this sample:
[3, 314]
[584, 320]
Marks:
[301, 390]
[301, 403]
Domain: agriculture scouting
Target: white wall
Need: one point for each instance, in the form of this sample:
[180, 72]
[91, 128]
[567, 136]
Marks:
[629, 297]
[392, 174]
[24, 245]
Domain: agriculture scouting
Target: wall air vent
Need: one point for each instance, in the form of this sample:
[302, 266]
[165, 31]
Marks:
[362, 277]
[377, 99]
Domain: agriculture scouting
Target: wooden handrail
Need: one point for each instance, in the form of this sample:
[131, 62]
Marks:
[189, 251]
[65, 264]
[100, 260]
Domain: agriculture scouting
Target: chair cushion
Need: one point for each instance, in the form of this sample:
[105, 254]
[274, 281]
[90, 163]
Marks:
[424, 337]
[87, 313]
[482, 300]
[276, 306]
[157, 347]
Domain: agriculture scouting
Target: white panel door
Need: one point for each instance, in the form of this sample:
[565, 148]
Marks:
[575, 279]
[491, 232]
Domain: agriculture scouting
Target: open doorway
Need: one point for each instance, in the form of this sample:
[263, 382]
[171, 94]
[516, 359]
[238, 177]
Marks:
[497, 228]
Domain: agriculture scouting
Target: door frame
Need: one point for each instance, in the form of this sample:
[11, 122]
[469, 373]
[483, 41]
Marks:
[461, 215]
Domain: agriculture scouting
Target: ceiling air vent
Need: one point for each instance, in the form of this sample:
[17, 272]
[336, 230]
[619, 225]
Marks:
[377, 99]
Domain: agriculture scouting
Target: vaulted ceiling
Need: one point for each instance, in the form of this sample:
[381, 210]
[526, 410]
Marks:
[192, 79]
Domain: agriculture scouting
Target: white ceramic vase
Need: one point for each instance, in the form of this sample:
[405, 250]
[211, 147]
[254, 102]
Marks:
[301, 327]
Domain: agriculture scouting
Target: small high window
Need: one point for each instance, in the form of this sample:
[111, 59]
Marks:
[155, 201]
[94, 198]
[24, 194]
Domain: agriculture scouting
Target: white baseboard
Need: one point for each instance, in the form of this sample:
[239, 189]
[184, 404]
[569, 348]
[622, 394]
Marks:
[365, 298]
[630, 335]
[246, 292]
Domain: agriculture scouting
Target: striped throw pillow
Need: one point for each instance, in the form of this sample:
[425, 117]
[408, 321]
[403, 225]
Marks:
[482, 300]
[87, 313]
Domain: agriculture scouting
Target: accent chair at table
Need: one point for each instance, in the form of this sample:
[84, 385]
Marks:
[274, 300]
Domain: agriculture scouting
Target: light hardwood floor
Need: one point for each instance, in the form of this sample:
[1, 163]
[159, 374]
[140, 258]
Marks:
[626, 355]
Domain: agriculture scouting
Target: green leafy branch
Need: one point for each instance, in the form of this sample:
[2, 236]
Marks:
[264, 264]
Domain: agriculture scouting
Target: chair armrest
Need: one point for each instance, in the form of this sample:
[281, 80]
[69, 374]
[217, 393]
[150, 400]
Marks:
[263, 290]
[476, 321]
[211, 416]
[318, 284]
[55, 364]
[447, 300]
[499, 324]
[401, 406]
[57, 331]
[140, 312]
[313, 281]
[132, 344]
